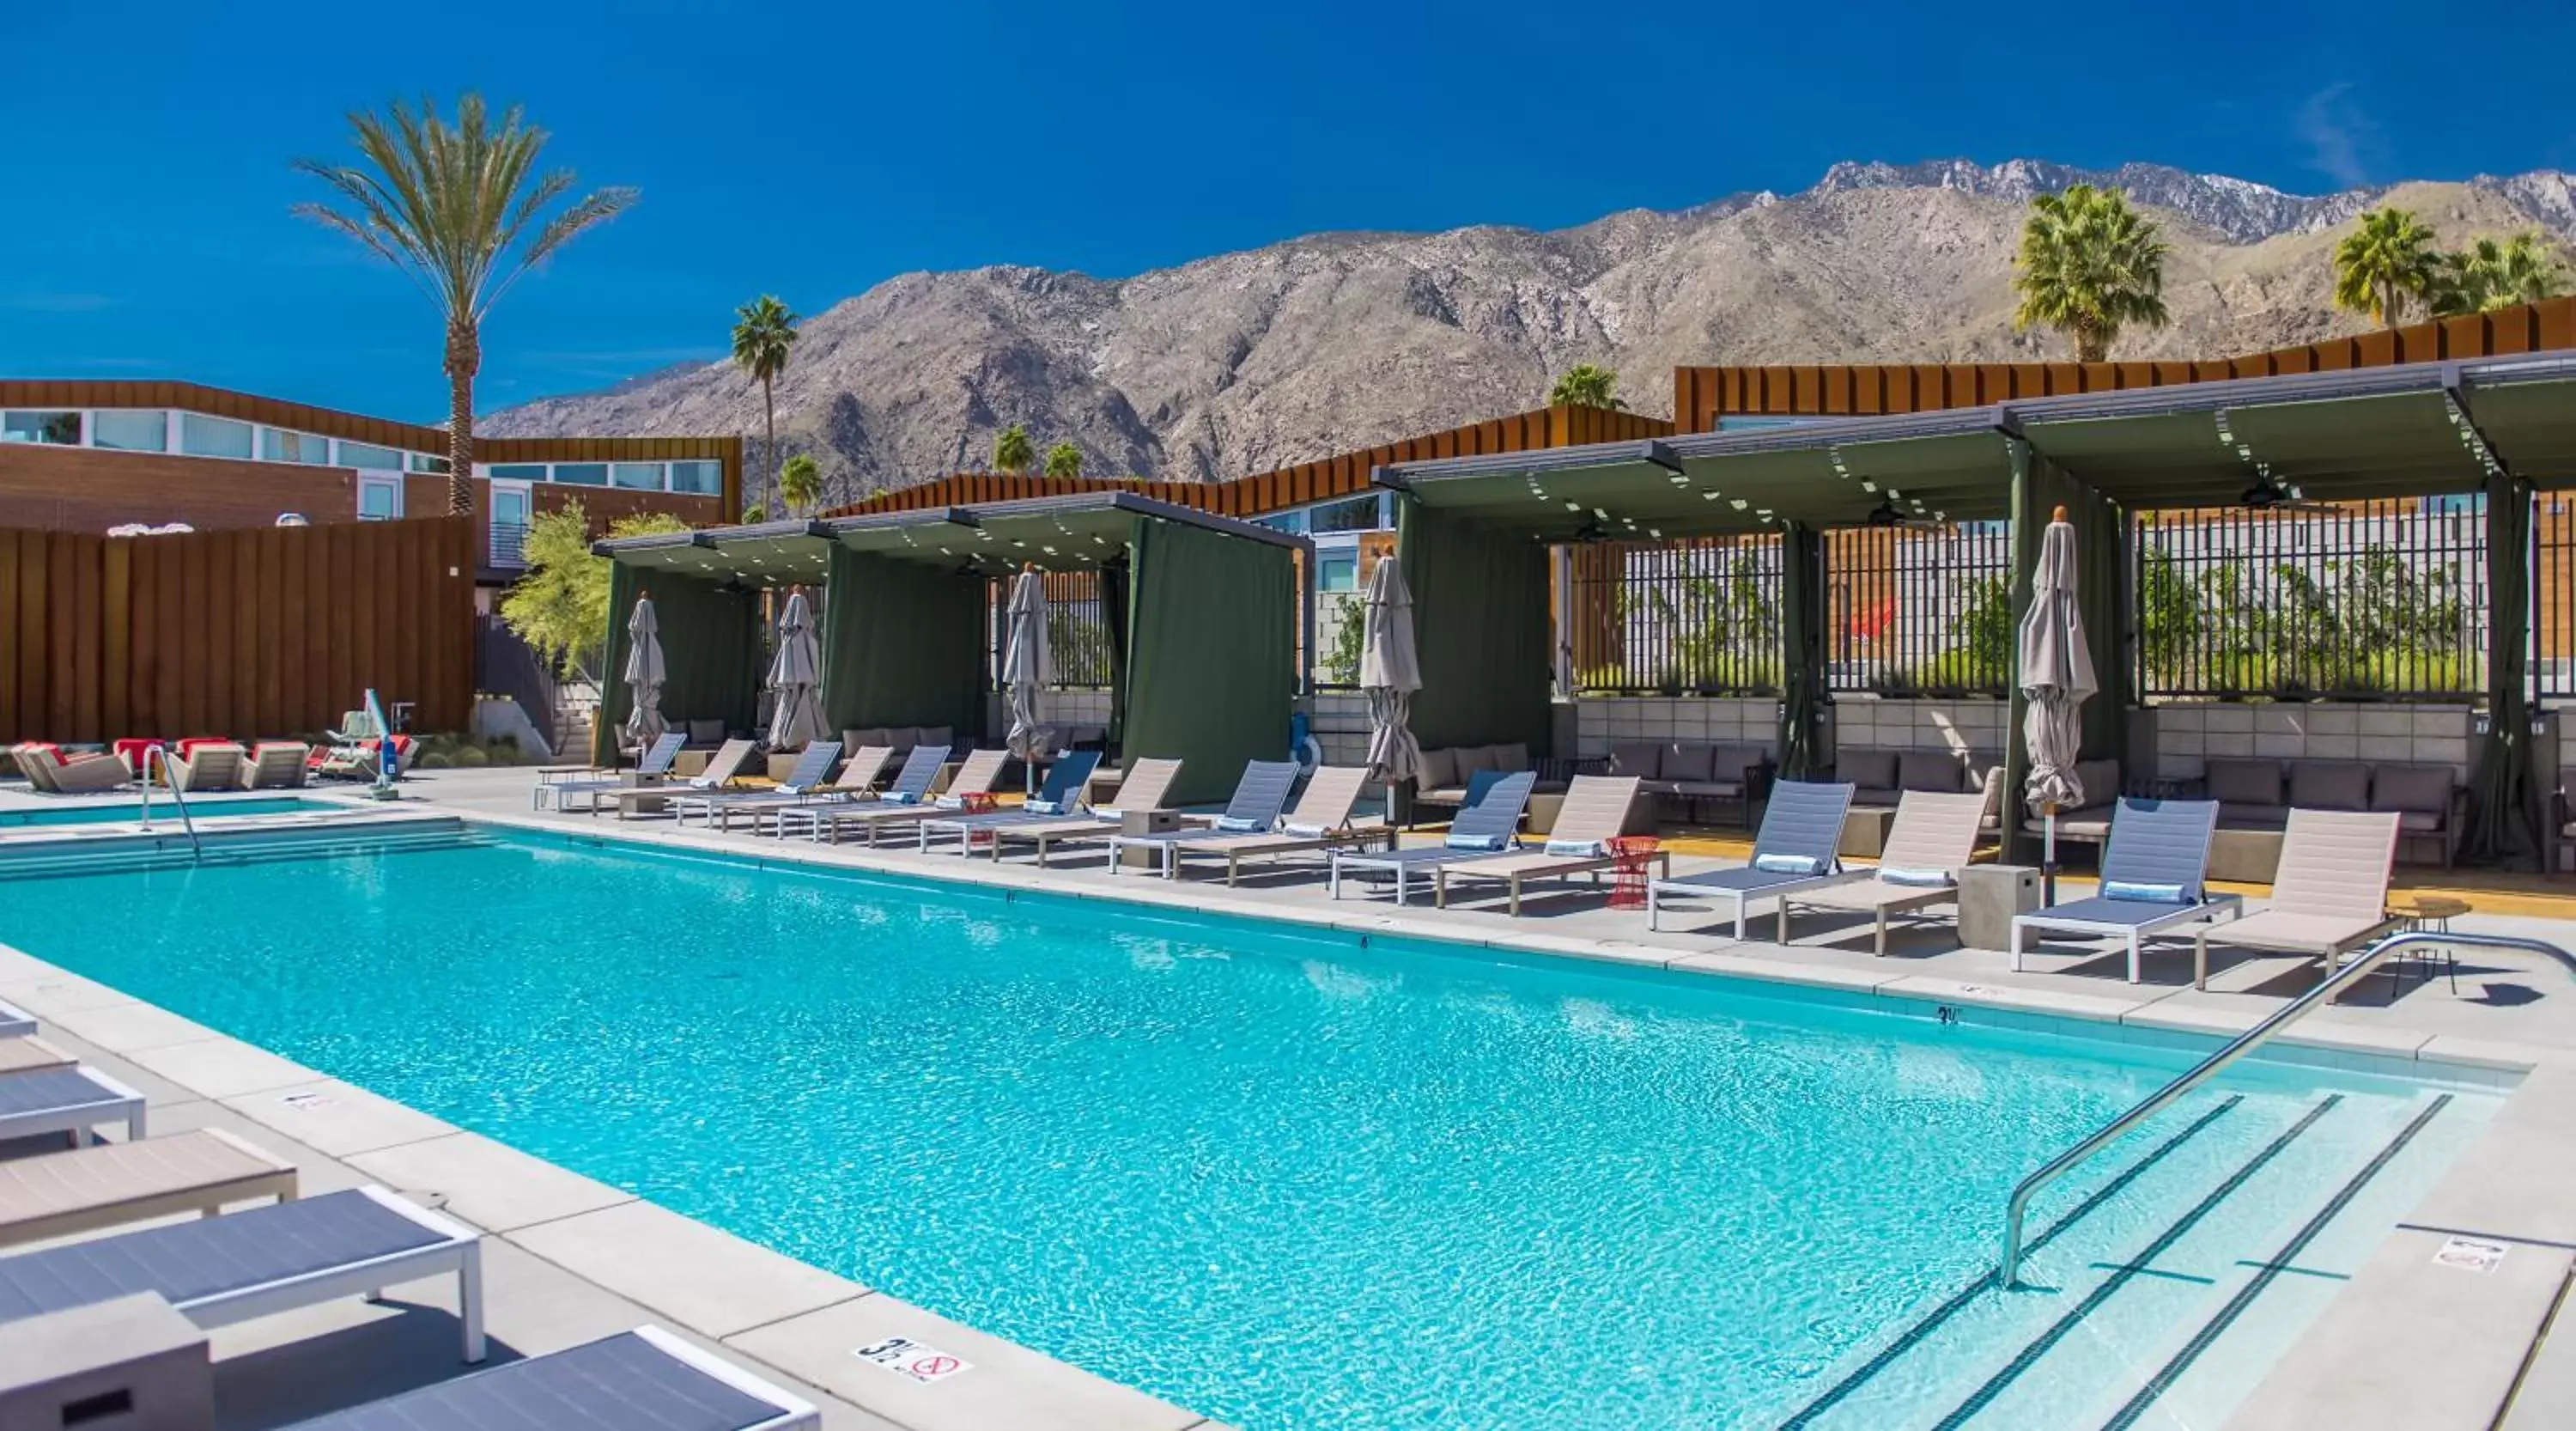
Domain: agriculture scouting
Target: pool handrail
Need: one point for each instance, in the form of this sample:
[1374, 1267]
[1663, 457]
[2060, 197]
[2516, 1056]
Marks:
[177, 796]
[2008, 1269]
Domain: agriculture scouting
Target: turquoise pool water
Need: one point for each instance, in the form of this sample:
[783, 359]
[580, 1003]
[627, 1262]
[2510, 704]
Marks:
[202, 808]
[1283, 1180]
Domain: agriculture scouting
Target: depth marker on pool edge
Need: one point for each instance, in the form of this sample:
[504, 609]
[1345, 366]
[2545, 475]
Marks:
[906, 1357]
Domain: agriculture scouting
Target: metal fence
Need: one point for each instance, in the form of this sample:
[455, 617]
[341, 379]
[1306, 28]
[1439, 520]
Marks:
[2553, 597]
[1920, 612]
[1077, 629]
[2385, 600]
[1676, 618]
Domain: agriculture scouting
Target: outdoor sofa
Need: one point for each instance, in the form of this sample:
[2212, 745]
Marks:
[1691, 772]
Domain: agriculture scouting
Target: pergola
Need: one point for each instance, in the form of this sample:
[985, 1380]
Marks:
[1204, 614]
[1474, 531]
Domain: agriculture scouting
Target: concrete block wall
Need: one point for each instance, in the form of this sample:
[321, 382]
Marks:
[2187, 735]
[1970, 726]
[1061, 708]
[1601, 720]
[1339, 721]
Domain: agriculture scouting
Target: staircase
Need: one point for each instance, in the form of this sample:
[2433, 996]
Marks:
[576, 708]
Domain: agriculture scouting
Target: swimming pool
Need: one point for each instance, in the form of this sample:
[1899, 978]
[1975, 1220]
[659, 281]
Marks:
[199, 807]
[1276, 1176]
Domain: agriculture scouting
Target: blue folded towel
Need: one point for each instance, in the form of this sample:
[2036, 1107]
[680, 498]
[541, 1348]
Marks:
[1478, 842]
[1576, 849]
[1785, 864]
[1239, 825]
[1043, 807]
[1922, 879]
[1305, 832]
[2151, 893]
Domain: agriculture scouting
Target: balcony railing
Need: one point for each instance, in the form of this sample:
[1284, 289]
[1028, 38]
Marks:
[506, 546]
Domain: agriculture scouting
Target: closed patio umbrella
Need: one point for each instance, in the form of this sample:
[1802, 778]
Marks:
[644, 675]
[2056, 678]
[1028, 664]
[1390, 673]
[796, 719]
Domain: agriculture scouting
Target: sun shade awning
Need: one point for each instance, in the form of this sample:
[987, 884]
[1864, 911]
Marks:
[761, 554]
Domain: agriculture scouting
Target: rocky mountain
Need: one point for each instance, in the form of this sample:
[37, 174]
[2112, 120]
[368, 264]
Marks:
[1249, 361]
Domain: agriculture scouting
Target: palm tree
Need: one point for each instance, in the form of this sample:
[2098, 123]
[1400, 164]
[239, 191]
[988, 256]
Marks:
[763, 331]
[2386, 259]
[800, 483]
[1584, 385]
[460, 209]
[1064, 460]
[2498, 273]
[2089, 266]
[1013, 452]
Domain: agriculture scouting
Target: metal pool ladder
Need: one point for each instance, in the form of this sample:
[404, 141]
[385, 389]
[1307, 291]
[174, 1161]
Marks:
[156, 750]
[2335, 983]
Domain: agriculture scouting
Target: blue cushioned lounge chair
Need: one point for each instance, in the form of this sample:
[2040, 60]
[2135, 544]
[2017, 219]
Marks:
[1058, 796]
[656, 763]
[15, 1022]
[1488, 825]
[643, 1378]
[66, 1098]
[804, 782]
[1794, 851]
[1259, 797]
[2153, 870]
[911, 787]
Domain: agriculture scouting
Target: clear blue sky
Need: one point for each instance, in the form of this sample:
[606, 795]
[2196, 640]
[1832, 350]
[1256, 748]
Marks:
[812, 150]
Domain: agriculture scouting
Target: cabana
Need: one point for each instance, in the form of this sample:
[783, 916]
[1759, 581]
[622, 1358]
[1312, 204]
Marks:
[1204, 617]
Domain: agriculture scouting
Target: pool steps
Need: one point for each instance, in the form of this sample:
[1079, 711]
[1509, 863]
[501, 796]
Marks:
[127, 854]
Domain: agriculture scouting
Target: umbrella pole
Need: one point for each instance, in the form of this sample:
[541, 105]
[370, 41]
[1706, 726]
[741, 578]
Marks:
[2048, 856]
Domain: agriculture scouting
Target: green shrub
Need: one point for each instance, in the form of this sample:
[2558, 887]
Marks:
[471, 757]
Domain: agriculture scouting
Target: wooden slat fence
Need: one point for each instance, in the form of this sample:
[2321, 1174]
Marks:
[264, 632]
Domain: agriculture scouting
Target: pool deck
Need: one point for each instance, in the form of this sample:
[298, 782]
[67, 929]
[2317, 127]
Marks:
[570, 1259]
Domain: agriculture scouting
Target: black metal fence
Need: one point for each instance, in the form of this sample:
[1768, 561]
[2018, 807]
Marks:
[1077, 629]
[2378, 600]
[1920, 611]
[1676, 618]
[2553, 597]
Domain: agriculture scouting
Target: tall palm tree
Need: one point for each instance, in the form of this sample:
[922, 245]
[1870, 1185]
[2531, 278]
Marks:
[461, 209]
[2386, 259]
[1585, 385]
[763, 331]
[800, 484]
[1013, 452]
[2089, 266]
[2499, 273]
[1064, 460]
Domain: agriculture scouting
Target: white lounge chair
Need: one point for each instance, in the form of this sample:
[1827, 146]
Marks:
[1595, 811]
[207, 767]
[652, 766]
[276, 765]
[2329, 896]
[1145, 785]
[1932, 838]
[974, 777]
[1320, 821]
[813, 766]
[1259, 796]
[722, 769]
[109, 1184]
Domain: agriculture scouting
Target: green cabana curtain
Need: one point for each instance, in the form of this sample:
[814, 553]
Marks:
[1113, 614]
[1802, 650]
[1211, 662]
[2103, 582]
[1480, 625]
[711, 648]
[2501, 821]
[903, 644]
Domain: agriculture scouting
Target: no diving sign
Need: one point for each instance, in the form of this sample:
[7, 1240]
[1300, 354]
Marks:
[907, 1357]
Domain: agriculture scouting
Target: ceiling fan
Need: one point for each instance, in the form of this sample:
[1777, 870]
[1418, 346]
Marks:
[1885, 514]
[2269, 495]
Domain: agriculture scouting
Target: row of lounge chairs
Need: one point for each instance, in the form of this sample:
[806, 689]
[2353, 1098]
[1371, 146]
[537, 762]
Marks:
[200, 766]
[288, 1253]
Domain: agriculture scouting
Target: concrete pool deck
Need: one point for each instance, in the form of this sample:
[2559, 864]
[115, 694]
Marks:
[572, 1259]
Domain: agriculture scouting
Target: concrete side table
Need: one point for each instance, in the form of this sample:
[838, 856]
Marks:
[2245, 856]
[1989, 897]
[1145, 822]
[130, 1363]
[1864, 835]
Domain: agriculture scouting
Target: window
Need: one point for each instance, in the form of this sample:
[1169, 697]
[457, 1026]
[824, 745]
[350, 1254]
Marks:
[704, 478]
[61, 428]
[1359, 514]
[213, 436]
[278, 445]
[1293, 523]
[519, 472]
[1338, 572]
[375, 459]
[423, 462]
[640, 476]
[147, 431]
[582, 474]
[378, 501]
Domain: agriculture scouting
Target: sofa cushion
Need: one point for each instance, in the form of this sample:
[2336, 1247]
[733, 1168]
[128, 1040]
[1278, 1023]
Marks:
[1935, 771]
[1869, 769]
[1438, 771]
[2329, 785]
[2239, 815]
[1736, 764]
[706, 732]
[1470, 760]
[1687, 763]
[2424, 789]
[2100, 779]
[1639, 758]
[1510, 759]
[854, 741]
[2244, 782]
[937, 737]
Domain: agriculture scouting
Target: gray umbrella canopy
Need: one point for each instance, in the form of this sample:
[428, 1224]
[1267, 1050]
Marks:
[796, 715]
[1028, 664]
[1390, 673]
[2056, 674]
[644, 675]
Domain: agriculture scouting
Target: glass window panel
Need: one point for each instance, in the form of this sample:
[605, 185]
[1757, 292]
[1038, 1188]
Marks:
[375, 501]
[423, 462]
[278, 445]
[213, 436]
[374, 459]
[1359, 514]
[55, 427]
[130, 431]
[582, 474]
[704, 478]
[520, 472]
[641, 476]
[1338, 573]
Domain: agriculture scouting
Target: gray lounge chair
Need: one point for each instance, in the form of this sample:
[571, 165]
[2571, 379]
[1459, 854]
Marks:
[1258, 798]
[1595, 811]
[2153, 868]
[804, 780]
[1143, 786]
[1319, 822]
[911, 786]
[1487, 827]
[70, 1100]
[643, 1378]
[220, 1270]
[15, 1022]
[1793, 852]
[1058, 797]
[975, 776]
[655, 764]
[723, 768]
